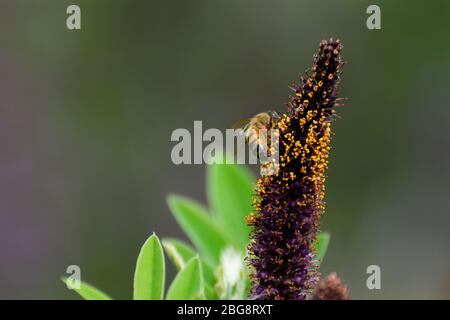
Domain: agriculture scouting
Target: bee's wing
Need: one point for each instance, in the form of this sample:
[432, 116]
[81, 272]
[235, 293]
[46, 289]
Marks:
[241, 124]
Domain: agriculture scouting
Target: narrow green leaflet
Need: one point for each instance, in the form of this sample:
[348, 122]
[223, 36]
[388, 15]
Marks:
[230, 188]
[193, 218]
[321, 245]
[180, 253]
[149, 276]
[88, 292]
[210, 294]
[188, 284]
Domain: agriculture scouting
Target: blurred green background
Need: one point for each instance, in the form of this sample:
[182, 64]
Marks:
[86, 118]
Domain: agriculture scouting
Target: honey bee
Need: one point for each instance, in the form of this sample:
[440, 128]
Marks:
[251, 128]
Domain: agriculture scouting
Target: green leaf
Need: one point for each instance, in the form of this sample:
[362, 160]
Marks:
[230, 188]
[321, 245]
[180, 253]
[149, 276]
[88, 292]
[188, 283]
[204, 233]
[210, 294]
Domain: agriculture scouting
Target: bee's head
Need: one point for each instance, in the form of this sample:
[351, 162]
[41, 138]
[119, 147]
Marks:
[274, 114]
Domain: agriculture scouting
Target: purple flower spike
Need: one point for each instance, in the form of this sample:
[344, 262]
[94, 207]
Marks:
[289, 203]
